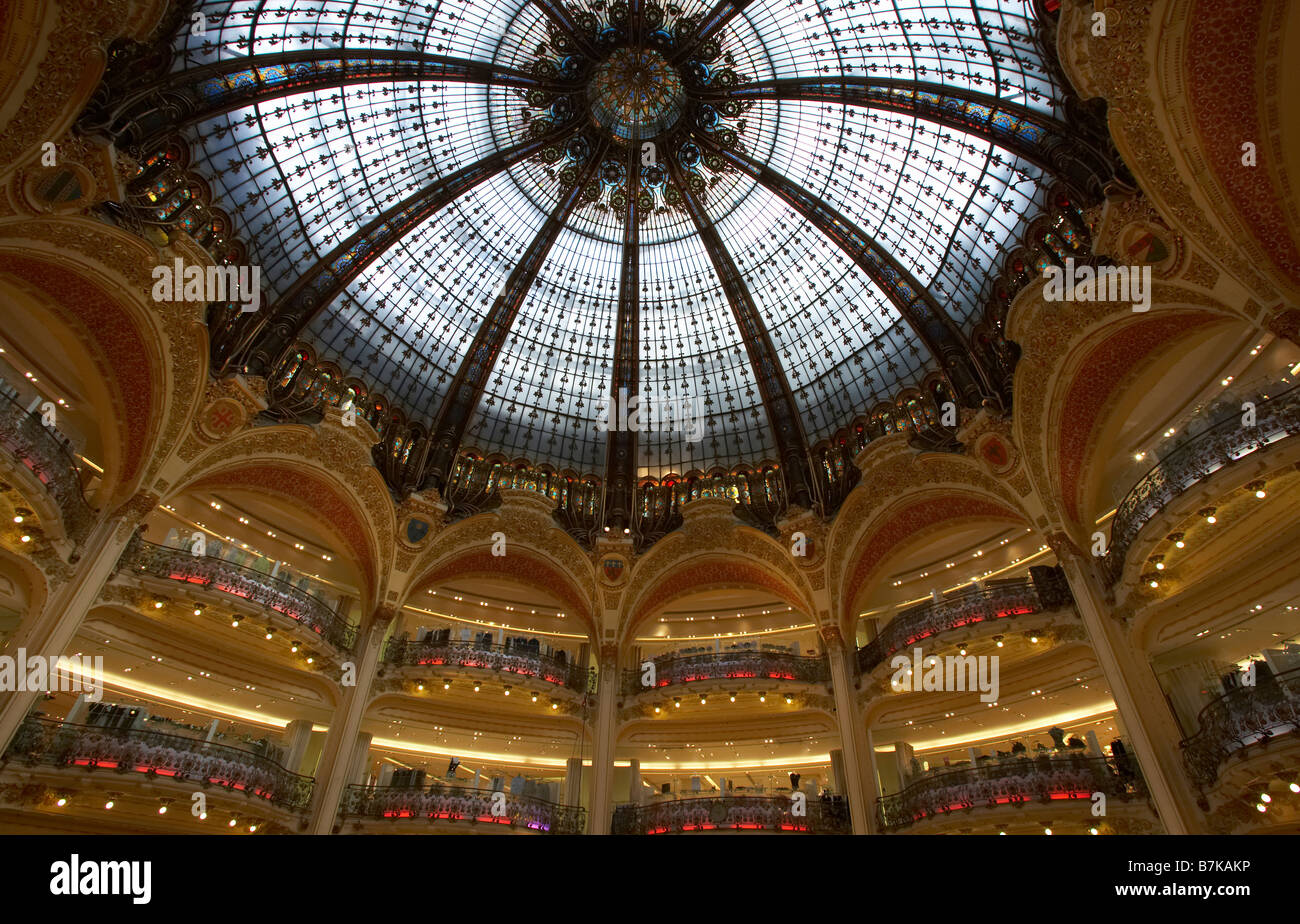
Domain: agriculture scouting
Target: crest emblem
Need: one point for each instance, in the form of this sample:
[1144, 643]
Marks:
[416, 530]
[613, 569]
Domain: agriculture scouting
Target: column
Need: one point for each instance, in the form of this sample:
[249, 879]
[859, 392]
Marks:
[852, 731]
[572, 781]
[606, 731]
[335, 769]
[50, 632]
[358, 771]
[634, 788]
[1143, 709]
[297, 734]
[839, 781]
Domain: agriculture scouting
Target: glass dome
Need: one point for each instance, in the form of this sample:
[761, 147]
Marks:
[725, 134]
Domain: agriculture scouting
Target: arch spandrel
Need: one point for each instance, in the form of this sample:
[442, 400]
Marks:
[669, 568]
[891, 474]
[319, 473]
[530, 536]
[93, 281]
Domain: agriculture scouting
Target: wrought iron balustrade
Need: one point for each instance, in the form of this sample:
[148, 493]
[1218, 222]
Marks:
[212, 573]
[51, 460]
[1047, 777]
[1045, 589]
[49, 742]
[1240, 718]
[1194, 461]
[727, 665]
[439, 802]
[518, 660]
[734, 813]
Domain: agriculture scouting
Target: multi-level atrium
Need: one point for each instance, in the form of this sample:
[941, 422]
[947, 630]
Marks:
[548, 417]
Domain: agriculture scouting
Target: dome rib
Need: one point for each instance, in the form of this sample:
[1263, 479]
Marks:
[183, 98]
[914, 301]
[261, 344]
[1039, 138]
[621, 445]
[774, 386]
[466, 389]
[710, 25]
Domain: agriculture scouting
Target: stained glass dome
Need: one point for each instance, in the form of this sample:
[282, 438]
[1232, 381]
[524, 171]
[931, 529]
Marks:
[507, 211]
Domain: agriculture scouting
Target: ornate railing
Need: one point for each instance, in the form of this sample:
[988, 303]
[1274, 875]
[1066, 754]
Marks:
[1194, 461]
[459, 804]
[1045, 589]
[734, 813]
[50, 742]
[1240, 718]
[51, 460]
[400, 652]
[214, 573]
[726, 665]
[1015, 781]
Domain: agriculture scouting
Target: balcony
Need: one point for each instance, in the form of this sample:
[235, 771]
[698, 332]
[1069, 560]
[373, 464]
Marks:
[1241, 718]
[1015, 781]
[48, 457]
[51, 743]
[774, 813]
[519, 661]
[216, 574]
[728, 665]
[1045, 589]
[1194, 461]
[461, 805]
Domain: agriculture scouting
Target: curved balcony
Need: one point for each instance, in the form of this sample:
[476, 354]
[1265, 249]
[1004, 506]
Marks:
[728, 665]
[1045, 589]
[1193, 462]
[49, 742]
[1015, 781]
[461, 805]
[774, 813]
[49, 458]
[519, 661]
[217, 574]
[1241, 718]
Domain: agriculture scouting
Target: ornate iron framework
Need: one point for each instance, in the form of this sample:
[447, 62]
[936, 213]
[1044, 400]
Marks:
[1050, 776]
[733, 813]
[212, 573]
[696, 87]
[60, 744]
[1045, 589]
[461, 804]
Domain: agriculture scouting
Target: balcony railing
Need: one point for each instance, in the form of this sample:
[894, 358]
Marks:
[212, 573]
[1240, 718]
[521, 662]
[734, 813]
[49, 742]
[1193, 462]
[1045, 778]
[456, 804]
[50, 459]
[1044, 589]
[727, 665]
